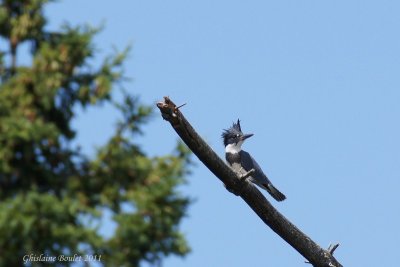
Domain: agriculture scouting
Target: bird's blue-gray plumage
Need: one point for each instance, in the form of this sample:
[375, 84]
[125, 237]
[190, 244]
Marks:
[242, 162]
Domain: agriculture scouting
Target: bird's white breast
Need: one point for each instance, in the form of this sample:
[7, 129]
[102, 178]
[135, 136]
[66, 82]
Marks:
[234, 148]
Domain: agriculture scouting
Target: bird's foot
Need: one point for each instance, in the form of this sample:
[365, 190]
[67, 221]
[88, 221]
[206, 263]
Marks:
[244, 176]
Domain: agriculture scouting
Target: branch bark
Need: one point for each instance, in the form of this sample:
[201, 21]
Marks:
[316, 255]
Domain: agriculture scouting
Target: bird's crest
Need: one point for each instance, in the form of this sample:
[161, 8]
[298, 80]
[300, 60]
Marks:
[237, 126]
[232, 131]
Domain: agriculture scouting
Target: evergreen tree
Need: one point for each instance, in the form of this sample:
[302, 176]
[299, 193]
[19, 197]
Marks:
[52, 196]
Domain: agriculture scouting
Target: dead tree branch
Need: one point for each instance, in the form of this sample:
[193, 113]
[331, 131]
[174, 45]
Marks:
[316, 255]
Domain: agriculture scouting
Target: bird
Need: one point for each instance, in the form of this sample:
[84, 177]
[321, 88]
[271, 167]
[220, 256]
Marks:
[242, 162]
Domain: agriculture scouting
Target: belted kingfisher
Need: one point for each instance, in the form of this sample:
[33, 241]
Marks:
[241, 161]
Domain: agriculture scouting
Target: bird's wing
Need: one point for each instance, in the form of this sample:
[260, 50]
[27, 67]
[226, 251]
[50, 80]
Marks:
[259, 177]
[248, 163]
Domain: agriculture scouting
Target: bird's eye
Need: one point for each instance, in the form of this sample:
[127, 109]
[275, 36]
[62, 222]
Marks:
[237, 135]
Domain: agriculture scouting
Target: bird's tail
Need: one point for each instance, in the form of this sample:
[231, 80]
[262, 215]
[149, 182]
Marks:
[275, 193]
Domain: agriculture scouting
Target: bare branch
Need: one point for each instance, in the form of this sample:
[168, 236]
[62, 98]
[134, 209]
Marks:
[330, 250]
[316, 255]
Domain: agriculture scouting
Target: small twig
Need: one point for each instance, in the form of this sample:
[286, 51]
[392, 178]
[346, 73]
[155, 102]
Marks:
[332, 248]
[180, 106]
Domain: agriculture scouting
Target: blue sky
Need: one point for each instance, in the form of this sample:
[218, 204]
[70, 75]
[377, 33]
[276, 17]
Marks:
[318, 84]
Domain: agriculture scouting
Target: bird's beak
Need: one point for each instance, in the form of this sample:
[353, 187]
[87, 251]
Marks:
[244, 137]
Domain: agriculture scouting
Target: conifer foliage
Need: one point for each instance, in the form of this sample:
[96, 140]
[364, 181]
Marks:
[52, 196]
